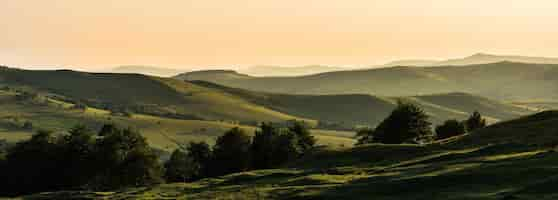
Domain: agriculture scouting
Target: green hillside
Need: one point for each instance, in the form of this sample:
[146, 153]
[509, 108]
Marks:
[495, 163]
[502, 81]
[347, 111]
[162, 133]
[140, 93]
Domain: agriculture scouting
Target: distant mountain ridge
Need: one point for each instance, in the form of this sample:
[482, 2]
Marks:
[268, 70]
[478, 58]
[147, 70]
[502, 81]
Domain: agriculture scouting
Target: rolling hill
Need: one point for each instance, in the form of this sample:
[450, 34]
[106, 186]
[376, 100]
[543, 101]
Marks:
[502, 81]
[197, 100]
[140, 93]
[350, 110]
[162, 133]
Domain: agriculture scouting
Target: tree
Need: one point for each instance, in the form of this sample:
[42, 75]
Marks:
[231, 152]
[450, 128]
[32, 166]
[177, 167]
[78, 149]
[407, 123]
[200, 156]
[273, 146]
[263, 146]
[305, 139]
[475, 121]
[127, 160]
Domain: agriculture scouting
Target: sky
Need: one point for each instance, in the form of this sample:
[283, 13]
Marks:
[208, 33]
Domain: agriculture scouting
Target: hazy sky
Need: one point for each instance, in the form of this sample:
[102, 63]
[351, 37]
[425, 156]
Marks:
[188, 33]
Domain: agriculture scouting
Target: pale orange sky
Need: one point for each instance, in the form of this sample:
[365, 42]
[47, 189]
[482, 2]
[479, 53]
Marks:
[201, 33]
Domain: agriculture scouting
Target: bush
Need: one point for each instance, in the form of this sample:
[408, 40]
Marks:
[449, 129]
[475, 121]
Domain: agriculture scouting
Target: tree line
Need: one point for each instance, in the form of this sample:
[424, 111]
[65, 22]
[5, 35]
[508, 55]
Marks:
[408, 123]
[116, 157]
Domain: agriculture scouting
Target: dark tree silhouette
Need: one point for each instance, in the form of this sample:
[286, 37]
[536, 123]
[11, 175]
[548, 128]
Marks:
[200, 156]
[305, 139]
[475, 122]
[127, 160]
[273, 146]
[450, 128]
[231, 152]
[177, 168]
[406, 124]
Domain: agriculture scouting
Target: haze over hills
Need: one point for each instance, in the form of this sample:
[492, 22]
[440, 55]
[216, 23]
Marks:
[147, 70]
[282, 71]
[268, 70]
[350, 110]
[479, 58]
[197, 100]
[502, 81]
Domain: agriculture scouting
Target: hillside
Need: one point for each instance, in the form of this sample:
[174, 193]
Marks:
[347, 111]
[503, 81]
[507, 168]
[162, 133]
[140, 93]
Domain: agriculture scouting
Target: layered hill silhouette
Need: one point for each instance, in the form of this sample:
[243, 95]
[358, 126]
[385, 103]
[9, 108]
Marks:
[502, 81]
[479, 58]
[270, 70]
[349, 110]
[145, 94]
[198, 100]
[147, 70]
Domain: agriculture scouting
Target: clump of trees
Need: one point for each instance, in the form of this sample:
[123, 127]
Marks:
[236, 151]
[113, 158]
[79, 159]
[408, 123]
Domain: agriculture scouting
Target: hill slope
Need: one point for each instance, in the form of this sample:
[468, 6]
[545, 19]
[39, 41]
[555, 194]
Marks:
[502, 170]
[162, 133]
[503, 81]
[140, 93]
[347, 111]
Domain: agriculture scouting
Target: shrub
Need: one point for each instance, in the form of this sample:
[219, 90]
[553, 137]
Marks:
[450, 128]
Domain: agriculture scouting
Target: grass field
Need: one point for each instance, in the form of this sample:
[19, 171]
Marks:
[162, 133]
